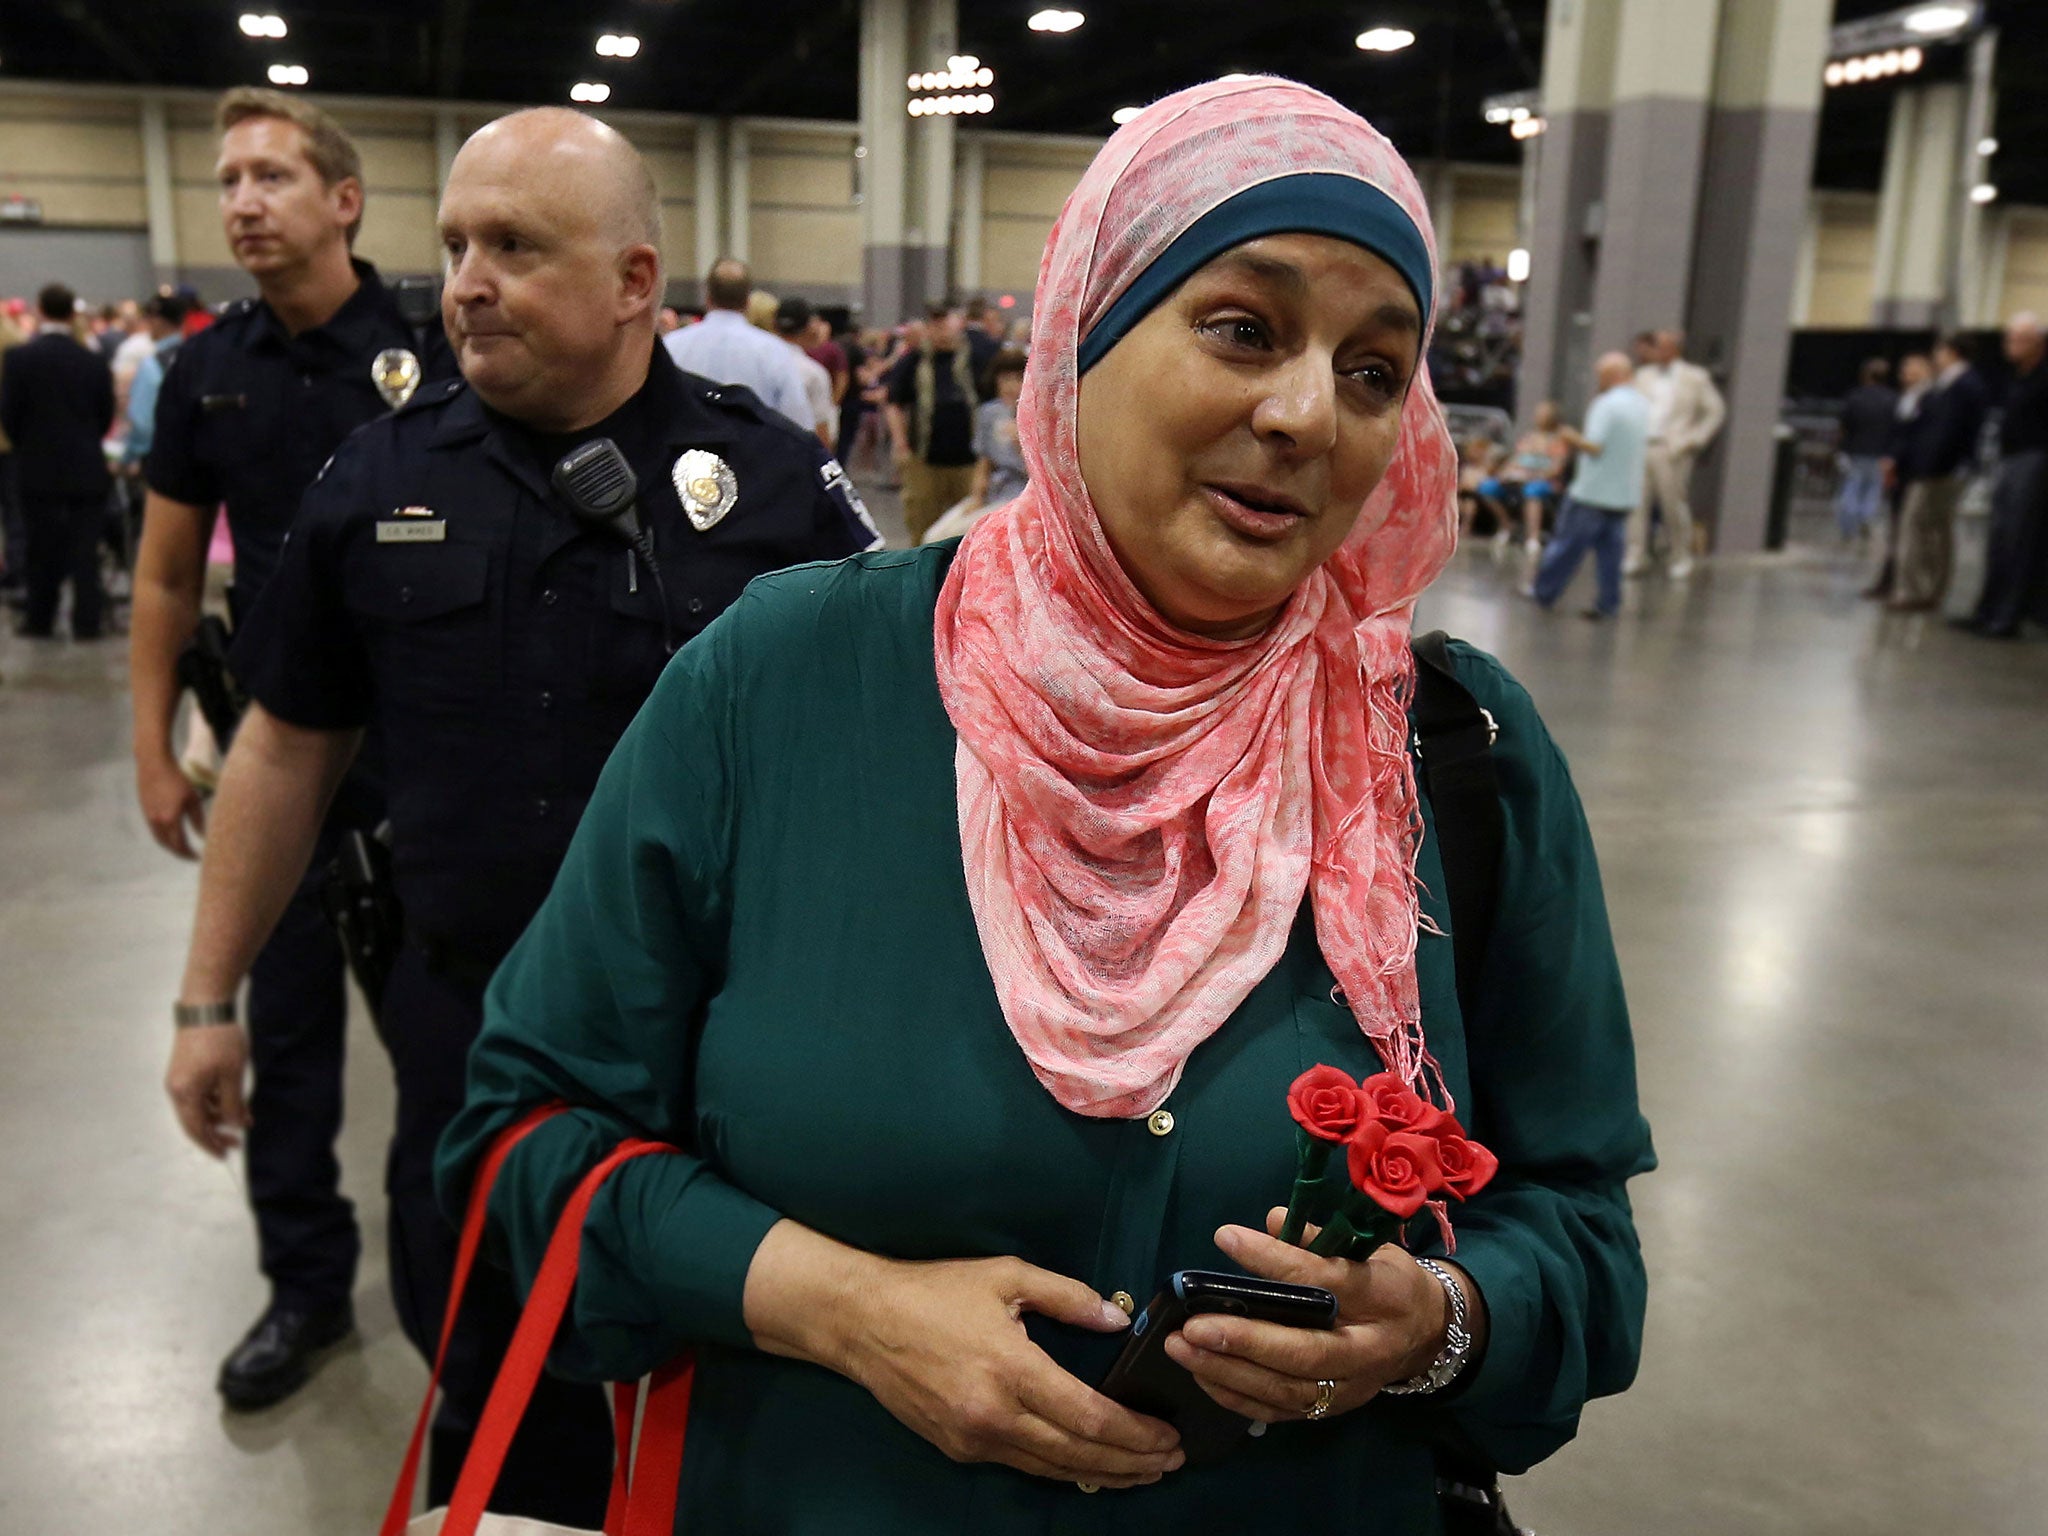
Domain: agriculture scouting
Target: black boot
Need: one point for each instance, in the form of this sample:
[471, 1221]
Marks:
[276, 1357]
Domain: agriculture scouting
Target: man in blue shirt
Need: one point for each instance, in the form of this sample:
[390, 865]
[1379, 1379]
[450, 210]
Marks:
[726, 348]
[1605, 488]
[164, 316]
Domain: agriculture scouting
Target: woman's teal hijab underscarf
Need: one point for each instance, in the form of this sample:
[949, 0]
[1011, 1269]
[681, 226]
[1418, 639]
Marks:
[1313, 203]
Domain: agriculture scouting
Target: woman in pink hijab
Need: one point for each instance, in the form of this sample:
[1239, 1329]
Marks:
[963, 915]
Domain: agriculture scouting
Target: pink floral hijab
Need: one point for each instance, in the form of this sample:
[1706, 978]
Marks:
[1143, 810]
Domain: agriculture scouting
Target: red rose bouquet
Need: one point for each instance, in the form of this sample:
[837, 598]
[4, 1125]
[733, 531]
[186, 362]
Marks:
[1399, 1153]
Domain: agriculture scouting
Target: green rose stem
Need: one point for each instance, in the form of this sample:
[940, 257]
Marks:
[1315, 1158]
[1336, 1237]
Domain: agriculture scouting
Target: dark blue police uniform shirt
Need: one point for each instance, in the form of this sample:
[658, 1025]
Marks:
[502, 656]
[248, 412]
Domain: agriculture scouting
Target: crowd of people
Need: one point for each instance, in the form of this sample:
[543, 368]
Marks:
[950, 450]
[1620, 489]
[537, 533]
[652, 841]
[78, 395]
[1905, 457]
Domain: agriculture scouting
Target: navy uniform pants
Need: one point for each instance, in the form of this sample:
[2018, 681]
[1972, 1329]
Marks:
[298, 1018]
[559, 1468]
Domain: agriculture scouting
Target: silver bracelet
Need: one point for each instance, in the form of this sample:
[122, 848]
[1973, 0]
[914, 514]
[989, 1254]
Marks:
[1450, 1360]
[197, 1015]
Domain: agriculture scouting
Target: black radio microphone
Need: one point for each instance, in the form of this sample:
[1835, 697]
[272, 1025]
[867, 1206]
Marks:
[602, 491]
[600, 486]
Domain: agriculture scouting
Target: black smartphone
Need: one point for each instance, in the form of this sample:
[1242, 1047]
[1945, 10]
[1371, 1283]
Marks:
[1147, 1379]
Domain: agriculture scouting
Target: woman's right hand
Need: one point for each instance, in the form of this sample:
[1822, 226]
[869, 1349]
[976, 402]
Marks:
[942, 1346]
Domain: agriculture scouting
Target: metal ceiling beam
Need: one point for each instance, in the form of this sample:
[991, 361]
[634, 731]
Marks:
[793, 54]
[1504, 19]
[454, 33]
[110, 43]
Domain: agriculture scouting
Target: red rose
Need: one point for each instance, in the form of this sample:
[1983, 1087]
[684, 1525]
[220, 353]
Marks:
[1467, 1166]
[1400, 1108]
[1325, 1103]
[1396, 1170]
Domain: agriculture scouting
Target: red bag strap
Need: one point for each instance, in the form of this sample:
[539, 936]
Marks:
[658, 1468]
[643, 1501]
[399, 1512]
[546, 1304]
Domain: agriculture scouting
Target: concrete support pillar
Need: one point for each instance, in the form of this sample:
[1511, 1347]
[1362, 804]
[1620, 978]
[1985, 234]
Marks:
[156, 176]
[709, 146]
[739, 189]
[1525, 203]
[885, 134]
[1809, 266]
[447, 142]
[1564, 227]
[1967, 281]
[968, 213]
[1992, 310]
[1744, 263]
[1917, 206]
[907, 190]
[1673, 191]
[1440, 191]
[1656, 146]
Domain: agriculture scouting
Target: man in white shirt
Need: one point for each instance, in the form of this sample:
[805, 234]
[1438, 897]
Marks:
[1686, 412]
[793, 325]
[725, 349]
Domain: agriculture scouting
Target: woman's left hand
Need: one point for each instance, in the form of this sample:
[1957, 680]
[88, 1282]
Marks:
[1392, 1318]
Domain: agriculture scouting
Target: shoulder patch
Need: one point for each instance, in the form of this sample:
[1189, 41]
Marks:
[839, 486]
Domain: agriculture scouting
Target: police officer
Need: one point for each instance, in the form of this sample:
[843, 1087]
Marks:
[440, 589]
[248, 412]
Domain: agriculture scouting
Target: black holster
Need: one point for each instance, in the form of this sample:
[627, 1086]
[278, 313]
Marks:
[362, 904]
[203, 672]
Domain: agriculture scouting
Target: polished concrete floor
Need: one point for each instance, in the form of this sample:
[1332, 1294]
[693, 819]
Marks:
[1825, 839]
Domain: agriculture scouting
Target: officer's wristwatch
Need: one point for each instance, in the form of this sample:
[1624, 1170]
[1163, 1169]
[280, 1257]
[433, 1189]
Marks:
[1450, 1360]
[192, 1015]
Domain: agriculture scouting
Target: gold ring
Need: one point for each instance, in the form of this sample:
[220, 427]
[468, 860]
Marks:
[1325, 1390]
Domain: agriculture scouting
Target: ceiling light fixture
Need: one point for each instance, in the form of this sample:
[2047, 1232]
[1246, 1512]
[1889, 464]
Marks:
[1873, 66]
[1937, 20]
[265, 25]
[1518, 266]
[288, 74]
[1528, 127]
[1987, 147]
[592, 91]
[618, 45]
[1123, 115]
[1386, 39]
[1055, 21]
[965, 80]
[1983, 193]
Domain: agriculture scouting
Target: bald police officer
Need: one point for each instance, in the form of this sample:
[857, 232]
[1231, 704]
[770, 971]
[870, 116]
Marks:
[248, 412]
[441, 588]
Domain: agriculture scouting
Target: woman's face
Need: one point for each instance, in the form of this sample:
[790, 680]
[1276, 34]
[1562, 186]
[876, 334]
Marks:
[1009, 388]
[1230, 440]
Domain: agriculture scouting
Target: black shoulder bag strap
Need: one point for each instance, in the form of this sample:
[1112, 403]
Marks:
[1454, 739]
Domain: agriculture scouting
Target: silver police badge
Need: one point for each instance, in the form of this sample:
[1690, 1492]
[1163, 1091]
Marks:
[706, 486]
[396, 373]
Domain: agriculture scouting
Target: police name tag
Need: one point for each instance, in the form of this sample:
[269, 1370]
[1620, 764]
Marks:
[435, 532]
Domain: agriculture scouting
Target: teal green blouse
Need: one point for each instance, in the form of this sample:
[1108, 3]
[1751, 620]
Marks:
[760, 949]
